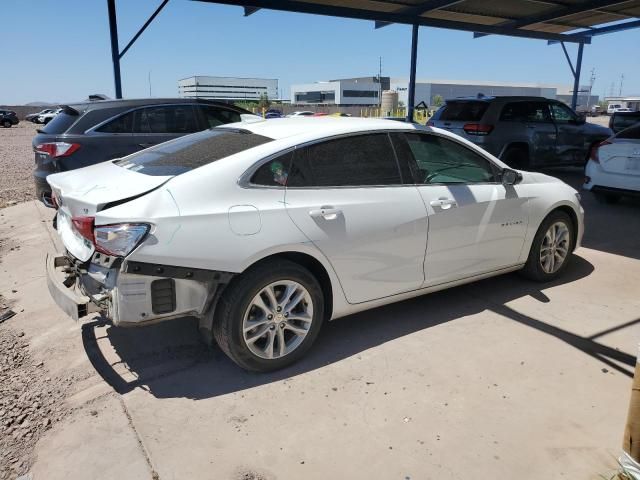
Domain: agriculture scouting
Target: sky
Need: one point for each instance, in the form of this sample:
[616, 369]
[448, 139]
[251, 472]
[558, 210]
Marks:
[59, 50]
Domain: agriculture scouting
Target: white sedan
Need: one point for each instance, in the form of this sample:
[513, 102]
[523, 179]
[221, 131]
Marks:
[265, 230]
[613, 168]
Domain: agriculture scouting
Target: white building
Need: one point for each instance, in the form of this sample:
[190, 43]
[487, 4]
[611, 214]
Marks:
[337, 92]
[365, 91]
[228, 88]
[630, 101]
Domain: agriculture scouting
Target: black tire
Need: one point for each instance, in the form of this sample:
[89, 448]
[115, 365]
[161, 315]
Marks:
[236, 299]
[6, 124]
[609, 198]
[533, 268]
[516, 157]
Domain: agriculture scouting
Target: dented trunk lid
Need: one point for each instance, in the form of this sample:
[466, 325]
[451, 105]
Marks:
[86, 191]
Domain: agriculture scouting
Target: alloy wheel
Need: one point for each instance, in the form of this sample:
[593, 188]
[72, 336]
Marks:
[278, 319]
[555, 247]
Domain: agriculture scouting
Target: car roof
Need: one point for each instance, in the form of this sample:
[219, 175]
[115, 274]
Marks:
[506, 98]
[139, 102]
[319, 127]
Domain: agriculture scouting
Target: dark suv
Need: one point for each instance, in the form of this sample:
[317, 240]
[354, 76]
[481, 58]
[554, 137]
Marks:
[524, 132]
[8, 118]
[87, 133]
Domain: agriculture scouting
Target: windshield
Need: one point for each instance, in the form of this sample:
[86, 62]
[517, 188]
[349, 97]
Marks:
[191, 151]
[464, 111]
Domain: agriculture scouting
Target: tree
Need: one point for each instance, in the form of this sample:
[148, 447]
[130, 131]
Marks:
[264, 101]
[438, 101]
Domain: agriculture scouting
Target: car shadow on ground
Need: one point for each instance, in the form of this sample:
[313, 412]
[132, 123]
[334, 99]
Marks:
[172, 349]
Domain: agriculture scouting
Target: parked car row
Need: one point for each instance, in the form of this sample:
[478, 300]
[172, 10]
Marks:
[44, 116]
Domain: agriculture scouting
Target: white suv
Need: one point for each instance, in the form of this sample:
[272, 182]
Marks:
[265, 230]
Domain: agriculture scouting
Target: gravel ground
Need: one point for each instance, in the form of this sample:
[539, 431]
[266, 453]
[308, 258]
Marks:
[16, 163]
[31, 401]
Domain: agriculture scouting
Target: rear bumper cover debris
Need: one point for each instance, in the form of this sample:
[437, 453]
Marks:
[64, 289]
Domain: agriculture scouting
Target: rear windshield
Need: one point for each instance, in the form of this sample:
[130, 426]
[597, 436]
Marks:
[464, 111]
[624, 120]
[60, 123]
[631, 133]
[191, 151]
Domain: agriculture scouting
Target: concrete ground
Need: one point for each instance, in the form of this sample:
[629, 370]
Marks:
[499, 379]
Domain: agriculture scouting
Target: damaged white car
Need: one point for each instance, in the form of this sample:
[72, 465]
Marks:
[265, 230]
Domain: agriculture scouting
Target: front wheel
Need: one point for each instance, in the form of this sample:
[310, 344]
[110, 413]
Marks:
[6, 124]
[551, 248]
[269, 316]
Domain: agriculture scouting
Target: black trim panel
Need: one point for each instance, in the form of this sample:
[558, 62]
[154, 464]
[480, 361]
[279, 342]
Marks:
[180, 273]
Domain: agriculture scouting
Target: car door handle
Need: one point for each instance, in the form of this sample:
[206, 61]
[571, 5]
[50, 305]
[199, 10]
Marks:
[328, 213]
[146, 145]
[444, 203]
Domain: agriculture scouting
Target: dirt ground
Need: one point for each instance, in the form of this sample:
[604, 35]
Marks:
[498, 379]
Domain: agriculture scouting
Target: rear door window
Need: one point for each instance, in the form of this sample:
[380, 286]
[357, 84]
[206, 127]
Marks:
[191, 151]
[214, 116]
[361, 160]
[531, 112]
[165, 119]
[463, 111]
[122, 124]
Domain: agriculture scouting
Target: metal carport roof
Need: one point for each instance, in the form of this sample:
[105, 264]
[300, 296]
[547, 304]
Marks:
[562, 21]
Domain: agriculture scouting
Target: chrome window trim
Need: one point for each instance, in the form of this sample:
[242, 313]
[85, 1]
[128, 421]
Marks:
[244, 180]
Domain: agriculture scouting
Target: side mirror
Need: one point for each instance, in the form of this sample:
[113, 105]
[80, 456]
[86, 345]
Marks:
[581, 120]
[510, 177]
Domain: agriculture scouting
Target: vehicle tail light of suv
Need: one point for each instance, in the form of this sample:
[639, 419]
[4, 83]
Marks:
[477, 129]
[593, 155]
[57, 149]
[117, 240]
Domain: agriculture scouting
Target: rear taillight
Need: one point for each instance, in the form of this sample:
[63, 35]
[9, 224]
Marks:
[594, 154]
[57, 149]
[84, 226]
[116, 240]
[477, 129]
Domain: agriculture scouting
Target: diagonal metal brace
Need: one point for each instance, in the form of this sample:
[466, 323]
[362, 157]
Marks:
[144, 27]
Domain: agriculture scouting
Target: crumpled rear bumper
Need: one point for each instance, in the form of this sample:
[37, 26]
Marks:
[64, 289]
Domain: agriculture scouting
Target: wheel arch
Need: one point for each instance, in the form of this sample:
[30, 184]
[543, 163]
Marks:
[315, 266]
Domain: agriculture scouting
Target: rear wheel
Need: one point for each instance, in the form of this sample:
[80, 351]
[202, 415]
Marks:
[516, 157]
[551, 248]
[269, 316]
